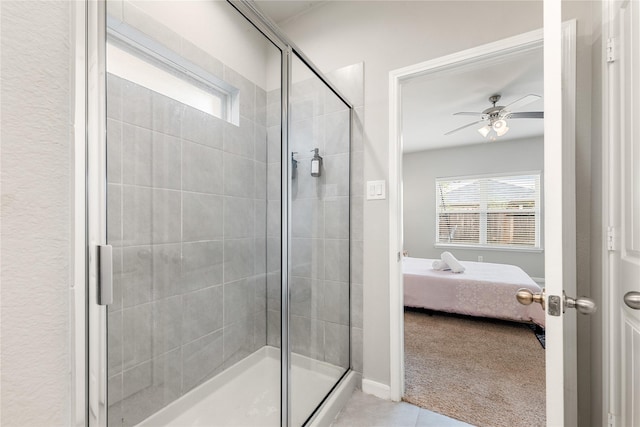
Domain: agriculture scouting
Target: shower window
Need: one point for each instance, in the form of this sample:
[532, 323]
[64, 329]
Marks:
[135, 57]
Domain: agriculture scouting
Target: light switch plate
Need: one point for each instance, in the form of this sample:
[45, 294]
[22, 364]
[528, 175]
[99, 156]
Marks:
[376, 190]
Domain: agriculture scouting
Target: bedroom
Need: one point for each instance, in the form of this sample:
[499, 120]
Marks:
[479, 198]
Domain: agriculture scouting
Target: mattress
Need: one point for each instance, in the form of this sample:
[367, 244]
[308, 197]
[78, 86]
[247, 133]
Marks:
[483, 289]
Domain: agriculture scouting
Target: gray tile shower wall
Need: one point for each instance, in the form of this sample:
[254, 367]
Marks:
[320, 229]
[187, 216]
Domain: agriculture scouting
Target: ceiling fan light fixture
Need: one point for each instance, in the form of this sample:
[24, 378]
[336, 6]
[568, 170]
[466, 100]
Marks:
[484, 130]
[500, 126]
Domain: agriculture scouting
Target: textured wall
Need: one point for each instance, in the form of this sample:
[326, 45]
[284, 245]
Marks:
[420, 170]
[36, 213]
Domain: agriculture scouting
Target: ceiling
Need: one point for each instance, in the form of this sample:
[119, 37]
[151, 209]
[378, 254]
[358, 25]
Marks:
[282, 10]
[429, 102]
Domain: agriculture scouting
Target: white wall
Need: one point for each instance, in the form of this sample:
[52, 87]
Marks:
[36, 210]
[420, 169]
[387, 35]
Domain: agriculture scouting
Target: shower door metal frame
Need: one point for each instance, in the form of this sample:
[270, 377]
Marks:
[95, 203]
[269, 29]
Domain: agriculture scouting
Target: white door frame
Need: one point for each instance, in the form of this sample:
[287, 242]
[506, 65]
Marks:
[530, 40]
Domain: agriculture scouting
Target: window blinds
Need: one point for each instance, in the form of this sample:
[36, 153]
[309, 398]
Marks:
[492, 211]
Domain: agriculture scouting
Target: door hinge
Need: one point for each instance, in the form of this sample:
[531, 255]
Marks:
[611, 50]
[105, 275]
[612, 239]
[399, 256]
[611, 420]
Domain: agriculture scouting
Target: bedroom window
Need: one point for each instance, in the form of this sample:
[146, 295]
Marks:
[497, 211]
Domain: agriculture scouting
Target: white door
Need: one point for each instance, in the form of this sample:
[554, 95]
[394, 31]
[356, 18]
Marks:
[624, 211]
[560, 218]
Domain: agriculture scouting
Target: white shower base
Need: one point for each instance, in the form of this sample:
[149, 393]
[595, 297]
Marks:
[248, 393]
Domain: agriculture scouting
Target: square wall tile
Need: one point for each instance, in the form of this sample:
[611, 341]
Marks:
[238, 217]
[114, 151]
[238, 259]
[337, 218]
[167, 277]
[202, 169]
[167, 114]
[238, 176]
[136, 149]
[202, 264]
[167, 325]
[337, 129]
[136, 216]
[336, 344]
[336, 266]
[114, 214]
[336, 302]
[238, 300]
[202, 128]
[137, 275]
[238, 340]
[202, 359]
[136, 104]
[136, 342]
[202, 313]
[240, 139]
[166, 166]
[202, 217]
[166, 216]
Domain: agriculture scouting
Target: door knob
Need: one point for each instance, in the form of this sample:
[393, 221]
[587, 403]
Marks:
[526, 297]
[583, 305]
[632, 299]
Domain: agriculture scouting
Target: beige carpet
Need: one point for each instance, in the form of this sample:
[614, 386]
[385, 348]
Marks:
[487, 373]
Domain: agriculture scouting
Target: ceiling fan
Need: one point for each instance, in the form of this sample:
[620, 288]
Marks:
[495, 117]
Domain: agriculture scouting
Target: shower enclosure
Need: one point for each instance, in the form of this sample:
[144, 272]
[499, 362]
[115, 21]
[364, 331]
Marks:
[222, 291]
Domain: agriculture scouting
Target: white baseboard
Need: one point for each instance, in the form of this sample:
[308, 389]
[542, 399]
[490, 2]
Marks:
[383, 391]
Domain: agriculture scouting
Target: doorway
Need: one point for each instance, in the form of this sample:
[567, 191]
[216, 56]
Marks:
[456, 64]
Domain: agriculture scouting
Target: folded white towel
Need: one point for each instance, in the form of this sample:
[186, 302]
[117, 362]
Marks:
[452, 262]
[439, 265]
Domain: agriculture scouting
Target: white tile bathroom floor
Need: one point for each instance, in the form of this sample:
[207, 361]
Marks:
[364, 410]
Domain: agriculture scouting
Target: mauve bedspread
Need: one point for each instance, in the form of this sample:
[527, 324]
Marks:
[484, 289]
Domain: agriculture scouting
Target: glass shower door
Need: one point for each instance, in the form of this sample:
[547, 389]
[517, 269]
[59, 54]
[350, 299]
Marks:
[192, 186]
[319, 282]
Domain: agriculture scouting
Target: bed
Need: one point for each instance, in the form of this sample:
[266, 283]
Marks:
[483, 289]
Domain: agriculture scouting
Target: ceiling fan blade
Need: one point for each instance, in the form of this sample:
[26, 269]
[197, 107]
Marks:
[525, 100]
[465, 113]
[462, 127]
[527, 115]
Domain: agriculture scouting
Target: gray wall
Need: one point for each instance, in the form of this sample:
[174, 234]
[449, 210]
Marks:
[420, 169]
[36, 180]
